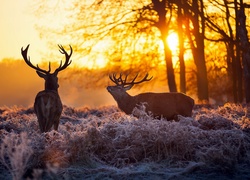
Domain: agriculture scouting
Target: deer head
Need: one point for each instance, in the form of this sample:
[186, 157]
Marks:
[51, 80]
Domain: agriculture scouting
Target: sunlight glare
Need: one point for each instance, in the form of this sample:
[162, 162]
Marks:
[93, 62]
[173, 41]
[100, 62]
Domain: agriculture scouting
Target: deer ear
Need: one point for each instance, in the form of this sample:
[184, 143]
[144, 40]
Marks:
[128, 87]
[40, 74]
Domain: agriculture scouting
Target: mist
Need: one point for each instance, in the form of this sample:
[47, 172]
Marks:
[20, 84]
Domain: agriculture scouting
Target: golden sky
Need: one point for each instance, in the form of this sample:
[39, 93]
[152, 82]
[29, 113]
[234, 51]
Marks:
[17, 29]
[18, 23]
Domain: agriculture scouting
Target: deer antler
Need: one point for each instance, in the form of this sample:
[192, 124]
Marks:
[143, 80]
[117, 81]
[27, 60]
[128, 85]
[67, 58]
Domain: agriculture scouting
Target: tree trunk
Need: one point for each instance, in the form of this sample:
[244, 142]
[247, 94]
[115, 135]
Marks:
[231, 63]
[238, 70]
[160, 7]
[202, 81]
[170, 69]
[232, 53]
[244, 42]
[198, 21]
[181, 52]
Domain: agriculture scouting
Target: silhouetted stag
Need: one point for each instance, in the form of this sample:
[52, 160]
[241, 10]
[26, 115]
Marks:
[48, 106]
[167, 105]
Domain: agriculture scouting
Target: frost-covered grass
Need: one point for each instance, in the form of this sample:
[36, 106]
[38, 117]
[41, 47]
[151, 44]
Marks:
[104, 143]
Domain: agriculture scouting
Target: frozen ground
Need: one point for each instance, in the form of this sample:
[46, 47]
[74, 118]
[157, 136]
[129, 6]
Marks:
[105, 143]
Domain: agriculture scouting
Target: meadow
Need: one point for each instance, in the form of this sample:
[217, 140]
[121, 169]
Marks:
[104, 143]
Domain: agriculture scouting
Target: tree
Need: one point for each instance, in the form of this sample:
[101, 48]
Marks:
[145, 17]
[180, 22]
[244, 45]
[195, 30]
[221, 30]
[163, 25]
[235, 37]
[137, 30]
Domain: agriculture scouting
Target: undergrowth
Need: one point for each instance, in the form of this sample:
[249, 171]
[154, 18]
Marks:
[107, 141]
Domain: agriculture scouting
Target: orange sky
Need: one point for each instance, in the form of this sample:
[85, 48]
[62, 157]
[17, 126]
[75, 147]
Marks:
[17, 29]
[20, 84]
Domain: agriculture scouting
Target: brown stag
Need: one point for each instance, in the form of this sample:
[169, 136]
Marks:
[48, 106]
[167, 105]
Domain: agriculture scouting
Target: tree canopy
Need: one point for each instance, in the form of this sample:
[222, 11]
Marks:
[130, 36]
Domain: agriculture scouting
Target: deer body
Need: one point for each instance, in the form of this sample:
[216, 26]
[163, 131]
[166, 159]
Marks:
[48, 106]
[167, 105]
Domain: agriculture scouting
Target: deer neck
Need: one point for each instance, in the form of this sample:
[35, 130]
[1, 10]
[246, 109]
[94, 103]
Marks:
[51, 84]
[51, 87]
[125, 102]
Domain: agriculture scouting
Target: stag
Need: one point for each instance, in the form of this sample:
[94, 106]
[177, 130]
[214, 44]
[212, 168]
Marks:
[167, 105]
[48, 106]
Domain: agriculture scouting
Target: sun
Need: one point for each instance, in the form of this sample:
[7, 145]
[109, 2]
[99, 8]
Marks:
[173, 41]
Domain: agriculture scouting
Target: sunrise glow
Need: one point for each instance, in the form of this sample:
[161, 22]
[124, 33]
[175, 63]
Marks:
[173, 41]
[103, 40]
[95, 62]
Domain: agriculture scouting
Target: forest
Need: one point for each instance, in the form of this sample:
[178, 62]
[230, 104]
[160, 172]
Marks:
[209, 62]
[211, 58]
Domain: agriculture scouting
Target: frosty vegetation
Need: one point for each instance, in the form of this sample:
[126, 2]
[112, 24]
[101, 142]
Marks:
[105, 143]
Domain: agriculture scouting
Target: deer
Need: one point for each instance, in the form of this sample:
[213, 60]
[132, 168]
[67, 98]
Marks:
[48, 105]
[167, 105]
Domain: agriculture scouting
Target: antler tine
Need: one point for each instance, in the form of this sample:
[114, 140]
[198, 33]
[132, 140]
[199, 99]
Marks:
[67, 58]
[125, 80]
[44, 70]
[135, 78]
[62, 50]
[138, 82]
[122, 82]
[27, 60]
[112, 78]
[119, 81]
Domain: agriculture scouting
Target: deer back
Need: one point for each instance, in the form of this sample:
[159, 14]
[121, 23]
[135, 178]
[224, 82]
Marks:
[48, 108]
[167, 105]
